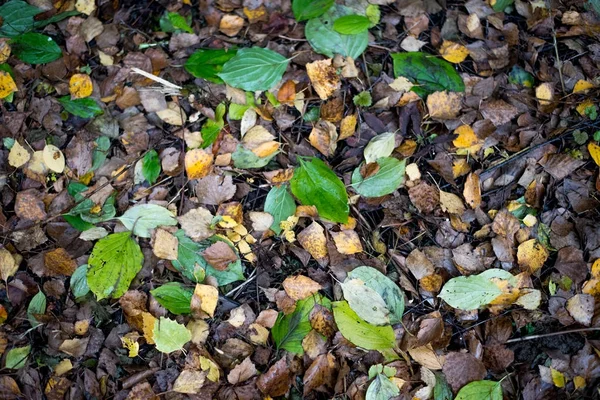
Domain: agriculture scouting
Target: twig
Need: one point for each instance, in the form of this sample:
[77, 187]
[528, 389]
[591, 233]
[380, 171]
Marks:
[544, 335]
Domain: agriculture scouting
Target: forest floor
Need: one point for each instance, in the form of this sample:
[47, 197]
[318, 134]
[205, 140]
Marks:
[256, 199]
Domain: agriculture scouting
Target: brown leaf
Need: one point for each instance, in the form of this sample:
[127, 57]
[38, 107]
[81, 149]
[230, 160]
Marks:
[312, 238]
[323, 137]
[444, 105]
[314, 344]
[165, 245]
[9, 388]
[30, 206]
[242, 372]
[300, 287]
[287, 93]
[277, 380]
[472, 191]
[219, 255]
[214, 189]
[462, 368]
[196, 223]
[425, 197]
[321, 319]
[59, 262]
[320, 373]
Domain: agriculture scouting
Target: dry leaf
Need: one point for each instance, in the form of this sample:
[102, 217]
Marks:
[261, 221]
[347, 242]
[347, 126]
[86, 7]
[196, 224]
[198, 163]
[165, 245]
[581, 308]
[531, 255]
[300, 287]
[59, 262]
[324, 138]
[467, 141]
[7, 84]
[204, 301]
[231, 24]
[323, 77]
[173, 114]
[444, 105]
[453, 52]
[320, 373]
[18, 155]
[80, 86]
[53, 158]
[287, 92]
[189, 381]
[277, 380]
[312, 238]
[242, 372]
[8, 264]
[451, 203]
[219, 255]
[472, 191]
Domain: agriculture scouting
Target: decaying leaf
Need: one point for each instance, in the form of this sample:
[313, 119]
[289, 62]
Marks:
[323, 77]
[300, 287]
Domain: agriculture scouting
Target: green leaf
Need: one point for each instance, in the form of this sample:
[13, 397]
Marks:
[169, 335]
[84, 108]
[382, 389]
[17, 357]
[246, 159]
[236, 111]
[207, 63]
[280, 204]
[441, 390]
[389, 178]
[480, 390]
[76, 222]
[107, 212]
[387, 289]
[381, 145]
[18, 18]
[102, 145]
[363, 99]
[174, 297]
[179, 22]
[312, 115]
[325, 40]
[518, 76]
[35, 48]
[289, 330]
[151, 166]
[469, 292]
[212, 127]
[428, 73]
[189, 261]
[580, 137]
[115, 261]
[361, 333]
[55, 18]
[351, 24]
[500, 5]
[316, 185]
[37, 305]
[79, 285]
[145, 217]
[308, 9]
[365, 302]
[373, 14]
[253, 69]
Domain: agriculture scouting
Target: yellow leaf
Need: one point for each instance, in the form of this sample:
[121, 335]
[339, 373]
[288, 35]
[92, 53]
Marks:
[531, 255]
[258, 14]
[579, 382]
[198, 163]
[558, 378]
[453, 52]
[467, 140]
[347, 242]
[323, 137]
[213, 369]
[132, 345]
[545, 93]
[444, 105]
[86, 7]
[18, 156]
[324, 77]
[4, 50]
[204, 299]
[451, 203]
[300, 287]
[596, 269]
[63, 367]
[583, 86]
[148, 321]
[7, 84]
[80, 86]
[266, 149]
[583, 106]
[347, 126]
[594, 150]
[312, 238]
[460, 167]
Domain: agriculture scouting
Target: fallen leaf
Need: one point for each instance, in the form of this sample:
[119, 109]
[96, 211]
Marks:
[323, 77]
[197, 224]
[531, 255]
[347, 242]
[59, 262]
[80, 86]
[219, 255]
[277, 380]
[204, 301]
[472, 191]
[86, 7]
[189, 381]
[581, 308]
[173, 114]
[453, 52]
[300, 287]
[18, 155]
[444, 105]
[451, 203]
[231, 24]
[287, 92]
[321, 373]
[198, 163]
[324, 138]
[312, 238]
[242, 372]
[467, 141]
[7, 84]
[8, 264]
[53, 158]
[165, 245]
[347, 126]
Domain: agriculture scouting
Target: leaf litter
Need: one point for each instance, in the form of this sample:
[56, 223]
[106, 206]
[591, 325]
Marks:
[306, 199]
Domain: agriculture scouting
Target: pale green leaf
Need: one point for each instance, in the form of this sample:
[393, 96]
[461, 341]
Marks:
[325, 40]
[386, 180]
[380, 146]
[480, 390]
[365, 302]
[469, 292]
[169, 335]
[37, 305]
[315, 184]
[351, 24]
[145, 217]
[114, 262]
[382, 389]
[246, 159]
[280, 204]
[289, 330]
[174, 297]
[360, 332]
[254, 69]
[79, 286]
[387, 289]
[17, 357]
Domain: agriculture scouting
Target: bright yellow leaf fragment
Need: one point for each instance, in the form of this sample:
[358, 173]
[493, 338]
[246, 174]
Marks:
[131, 345]
[531, 255]
[80, 86]
[558, 378]
[582, 107]
[467, 141]
[594, 150]
[347, 242]
[198, 163]
[453, 52]
[7, 84]
[583, 86]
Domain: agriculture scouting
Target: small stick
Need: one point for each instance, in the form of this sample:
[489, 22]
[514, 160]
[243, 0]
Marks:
[544, 335]
[156, 79]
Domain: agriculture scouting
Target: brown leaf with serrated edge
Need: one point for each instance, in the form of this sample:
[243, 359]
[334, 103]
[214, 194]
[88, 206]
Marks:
[219, 255]
[277, 380]
[59, 262]
[472, 191]
[313, 239]
[300, 287]
[320, 373]
[322, 321]
[287, 93]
